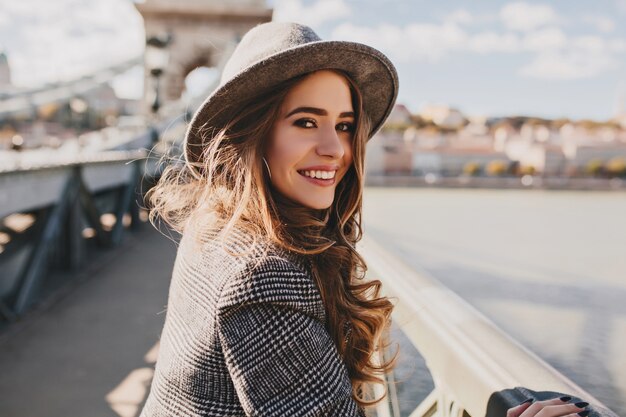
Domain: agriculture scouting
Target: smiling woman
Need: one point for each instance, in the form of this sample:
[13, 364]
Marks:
[268, 312]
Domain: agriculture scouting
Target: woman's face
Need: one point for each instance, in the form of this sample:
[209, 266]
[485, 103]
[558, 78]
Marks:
[310, 146]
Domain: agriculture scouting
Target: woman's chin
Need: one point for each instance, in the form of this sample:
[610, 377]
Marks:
[312, 200]
[317, 204]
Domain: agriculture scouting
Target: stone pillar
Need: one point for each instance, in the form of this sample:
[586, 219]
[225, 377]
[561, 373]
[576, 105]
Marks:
[202, 33]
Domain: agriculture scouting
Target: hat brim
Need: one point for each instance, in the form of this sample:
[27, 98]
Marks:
[372, 72]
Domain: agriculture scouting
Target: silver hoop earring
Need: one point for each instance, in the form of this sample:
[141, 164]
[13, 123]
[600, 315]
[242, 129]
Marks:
[268, 167]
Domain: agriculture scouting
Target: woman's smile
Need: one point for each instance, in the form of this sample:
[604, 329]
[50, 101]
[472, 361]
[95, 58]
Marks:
[322, 176]
[323, 182]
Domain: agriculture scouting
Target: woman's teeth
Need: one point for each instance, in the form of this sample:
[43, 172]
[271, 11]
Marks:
[324, 175]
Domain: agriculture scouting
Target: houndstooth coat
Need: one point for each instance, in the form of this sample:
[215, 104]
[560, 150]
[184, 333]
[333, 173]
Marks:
[243, 338]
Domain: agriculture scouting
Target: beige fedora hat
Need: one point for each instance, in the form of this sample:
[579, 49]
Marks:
[274, 52]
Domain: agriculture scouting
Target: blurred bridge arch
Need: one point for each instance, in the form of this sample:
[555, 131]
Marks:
[201, 33]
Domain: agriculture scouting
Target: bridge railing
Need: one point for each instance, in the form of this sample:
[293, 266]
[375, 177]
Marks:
[64, 203]
[50, 215]
[477, 369]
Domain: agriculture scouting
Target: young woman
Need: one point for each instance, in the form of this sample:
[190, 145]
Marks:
[268, 313]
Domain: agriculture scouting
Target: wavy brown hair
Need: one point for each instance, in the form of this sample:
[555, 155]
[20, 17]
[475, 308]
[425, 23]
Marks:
[229, 188]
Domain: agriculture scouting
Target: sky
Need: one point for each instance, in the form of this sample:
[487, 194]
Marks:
[563, 58]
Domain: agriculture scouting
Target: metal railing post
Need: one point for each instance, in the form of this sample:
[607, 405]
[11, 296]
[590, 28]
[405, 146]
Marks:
[58, 197]
[125, 199]
[74, 244]
[33, 271]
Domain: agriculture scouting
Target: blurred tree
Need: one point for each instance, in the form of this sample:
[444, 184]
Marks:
[616, 167]
[497, 167]
[526, 170]
[472, 168]
[594, 167]
[594, 124]
[559, 123]
[395, 127]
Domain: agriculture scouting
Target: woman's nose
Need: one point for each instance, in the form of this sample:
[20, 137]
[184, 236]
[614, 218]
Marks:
[330, 144]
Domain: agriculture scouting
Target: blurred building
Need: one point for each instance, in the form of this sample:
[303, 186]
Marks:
[444, 116]
[534, 146]
[399, 116]
[506, 146]
[583, 157]
[51, 123]
[475, 128]
[5, 71]
[388, 153]
[620, 113]
[544, 158]
[455, 161]
[395, 152]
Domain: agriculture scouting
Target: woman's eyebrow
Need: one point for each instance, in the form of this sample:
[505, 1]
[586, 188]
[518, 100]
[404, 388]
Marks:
[317, 111]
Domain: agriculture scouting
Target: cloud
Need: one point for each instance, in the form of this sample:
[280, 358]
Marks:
[554, 54]
[617, 45]
[569, 65]
[463, 17]
[434, 41]
[492, 42]
[544, 40]
[47, 41]
[64, 39]
[521, 16]
[602, 24]
[581, 57]
[460, 16]
[314, 15]
[538, 41]
[417, 41]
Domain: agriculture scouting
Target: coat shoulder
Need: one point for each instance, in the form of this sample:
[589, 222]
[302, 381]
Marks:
[277, 278]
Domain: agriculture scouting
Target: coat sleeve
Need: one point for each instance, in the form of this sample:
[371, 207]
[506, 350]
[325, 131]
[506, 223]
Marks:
[280, 357]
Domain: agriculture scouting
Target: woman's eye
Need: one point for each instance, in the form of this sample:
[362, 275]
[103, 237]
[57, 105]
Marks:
[306, 123]
[345, 127]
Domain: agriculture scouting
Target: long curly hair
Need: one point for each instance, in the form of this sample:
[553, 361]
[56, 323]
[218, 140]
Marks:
[230, 188]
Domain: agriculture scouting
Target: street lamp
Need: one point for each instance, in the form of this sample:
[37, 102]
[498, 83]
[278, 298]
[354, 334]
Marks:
[157, 59]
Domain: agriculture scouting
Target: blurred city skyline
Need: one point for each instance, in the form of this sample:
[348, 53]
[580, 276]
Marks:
[490, 58]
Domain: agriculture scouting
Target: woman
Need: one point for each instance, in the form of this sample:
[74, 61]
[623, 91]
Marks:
[268, 313]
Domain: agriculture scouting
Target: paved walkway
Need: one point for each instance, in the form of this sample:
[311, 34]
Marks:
[91, 353]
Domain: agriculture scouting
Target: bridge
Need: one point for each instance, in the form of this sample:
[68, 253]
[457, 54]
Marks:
[24, 102]
[84, 279]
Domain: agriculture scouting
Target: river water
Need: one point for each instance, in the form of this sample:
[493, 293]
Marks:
[548, 267]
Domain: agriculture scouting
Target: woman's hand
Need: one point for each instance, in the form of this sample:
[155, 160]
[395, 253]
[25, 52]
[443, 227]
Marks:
[556, 407]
